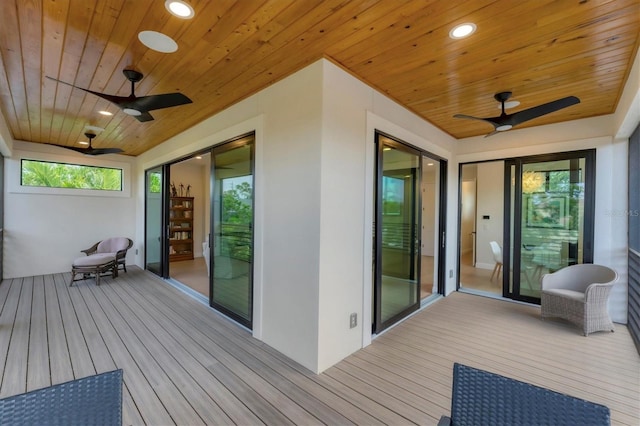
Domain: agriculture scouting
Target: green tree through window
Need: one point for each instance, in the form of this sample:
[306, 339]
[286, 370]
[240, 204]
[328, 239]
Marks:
[75, 176]
[237, 217]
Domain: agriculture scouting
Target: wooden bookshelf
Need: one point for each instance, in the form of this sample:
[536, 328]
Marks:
[181, 228]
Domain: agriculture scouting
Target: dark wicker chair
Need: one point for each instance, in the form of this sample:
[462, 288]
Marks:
[93, 400]
[483, 398]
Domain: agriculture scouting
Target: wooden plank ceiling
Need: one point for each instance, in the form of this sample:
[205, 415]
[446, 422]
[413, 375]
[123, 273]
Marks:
[540, 50]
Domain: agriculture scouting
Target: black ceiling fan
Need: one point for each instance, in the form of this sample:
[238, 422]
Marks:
[90, 150]
[134, 106]
[505, 121]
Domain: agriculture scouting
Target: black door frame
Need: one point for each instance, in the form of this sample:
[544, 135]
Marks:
[378, 325]
[163, 271]
[166, 172]
[219, 149]
[589, 211]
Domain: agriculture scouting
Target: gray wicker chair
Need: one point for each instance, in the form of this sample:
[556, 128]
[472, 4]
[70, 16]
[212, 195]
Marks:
[579, 294]
[93, 400]
[104, 256]
[483, 398]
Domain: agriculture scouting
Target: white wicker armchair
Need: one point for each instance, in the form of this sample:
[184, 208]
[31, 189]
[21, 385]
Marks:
[579, 294]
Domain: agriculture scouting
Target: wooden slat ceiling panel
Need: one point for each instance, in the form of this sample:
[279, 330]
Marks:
[541, 50]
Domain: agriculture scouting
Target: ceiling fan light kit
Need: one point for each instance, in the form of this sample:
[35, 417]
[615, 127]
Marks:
[132, 112]
[506, 121]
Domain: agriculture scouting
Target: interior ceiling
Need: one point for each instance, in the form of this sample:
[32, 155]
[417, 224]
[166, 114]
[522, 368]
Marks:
[541, 50]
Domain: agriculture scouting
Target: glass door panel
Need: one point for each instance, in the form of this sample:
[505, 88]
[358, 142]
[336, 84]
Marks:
[397, 289]
[551, 220]
[232, 225]
[155, 260]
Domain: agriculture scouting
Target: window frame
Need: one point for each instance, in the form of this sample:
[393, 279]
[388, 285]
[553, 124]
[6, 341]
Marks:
[14, 174]
[84, 166]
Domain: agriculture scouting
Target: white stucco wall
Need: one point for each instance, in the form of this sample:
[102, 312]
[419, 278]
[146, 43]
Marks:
[314, 179]
[314, 147]
[6, 139]
[351, 113]
[287, 120]
[611, 166]
[45, 229]
[489, 202]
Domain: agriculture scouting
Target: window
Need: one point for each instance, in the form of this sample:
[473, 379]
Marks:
[62, 175]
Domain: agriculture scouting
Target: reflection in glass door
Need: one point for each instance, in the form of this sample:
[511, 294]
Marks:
[551, 203]
[397, 260]
[155, 258]
[232, 227]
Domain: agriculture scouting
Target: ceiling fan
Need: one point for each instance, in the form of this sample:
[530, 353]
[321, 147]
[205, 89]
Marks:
[506, 121]
[134, 106]
[90, 150]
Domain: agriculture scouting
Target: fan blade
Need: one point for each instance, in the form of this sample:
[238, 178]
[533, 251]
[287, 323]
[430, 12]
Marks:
[100, 151]
[494, 121]
[470, 117]
[118, 100]
[540, 110]
[144, 116]
[152, 102]
[72, 148]
[142, 104]
[90, 151]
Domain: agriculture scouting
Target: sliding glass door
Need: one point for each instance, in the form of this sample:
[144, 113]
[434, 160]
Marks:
[232, 227]
[156, 259]
[550, 218]
[397, 261]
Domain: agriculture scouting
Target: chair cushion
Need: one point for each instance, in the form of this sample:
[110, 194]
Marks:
[95, 259]
[112, 245]
[571, 294]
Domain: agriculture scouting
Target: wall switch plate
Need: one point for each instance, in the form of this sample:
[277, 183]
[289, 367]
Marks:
[353, 320]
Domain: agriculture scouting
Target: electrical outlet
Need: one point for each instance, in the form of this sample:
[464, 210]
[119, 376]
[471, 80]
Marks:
[136, 251]
[353, 320]
[450, 273]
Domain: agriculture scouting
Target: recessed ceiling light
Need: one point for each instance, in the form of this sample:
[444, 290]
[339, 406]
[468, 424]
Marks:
[105, 112]
[462, 30]
[198, 157]
[179, 8]
[158, 41]
[429, 164]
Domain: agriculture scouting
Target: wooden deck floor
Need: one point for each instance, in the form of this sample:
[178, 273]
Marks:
[184, 364]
